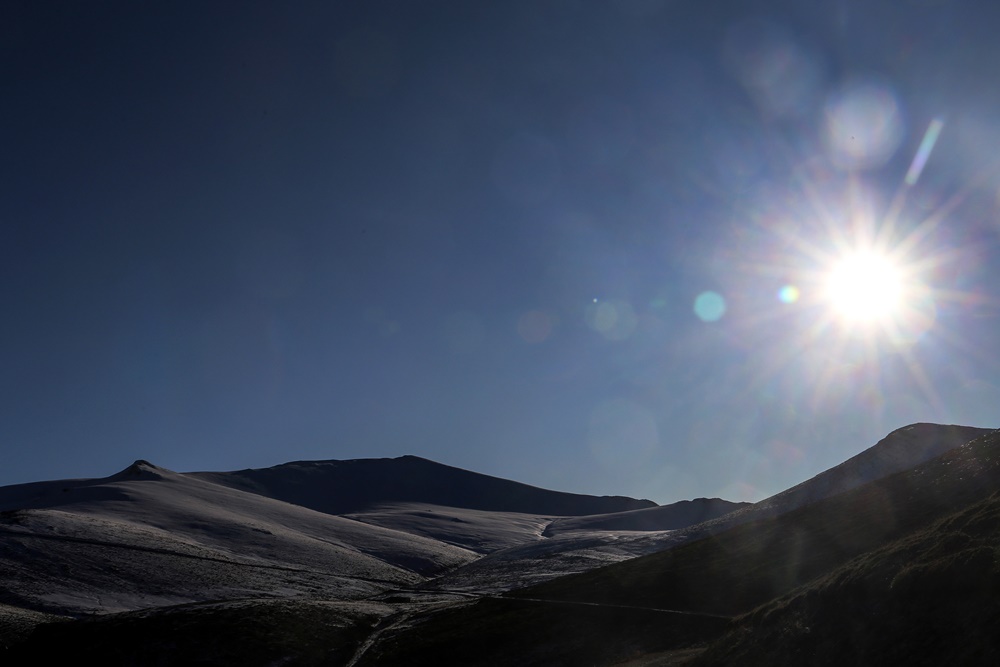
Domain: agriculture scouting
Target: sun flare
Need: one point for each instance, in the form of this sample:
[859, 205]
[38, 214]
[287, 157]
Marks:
[865, 287]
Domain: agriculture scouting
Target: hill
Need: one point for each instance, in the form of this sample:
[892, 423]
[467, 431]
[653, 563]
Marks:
[930, 598]
[731, 572]
[150, 537]
[341, 487]
[888, 557]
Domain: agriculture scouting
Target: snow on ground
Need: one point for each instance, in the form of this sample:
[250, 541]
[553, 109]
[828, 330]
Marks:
[540, 561]
[583, 543]
[479, 530]
[149, 537]
[666, 517]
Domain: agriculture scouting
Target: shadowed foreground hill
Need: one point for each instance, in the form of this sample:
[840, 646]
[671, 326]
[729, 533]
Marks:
[244, 632]
[340, 487]
[931, 598]
[734, 571]
[900, 450]
[900, 570]
[941, 514]
[16, 624]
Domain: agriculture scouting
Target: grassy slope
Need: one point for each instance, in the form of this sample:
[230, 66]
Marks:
[931, 598]
[523, 633]
[753, 564]
[734, 571]
[255, 632]
[17, 623]
[901, 569]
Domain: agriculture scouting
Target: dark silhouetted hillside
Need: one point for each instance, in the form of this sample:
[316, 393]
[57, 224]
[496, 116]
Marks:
[733, 571]
[900, 570]
[338, 487]
[931, 598]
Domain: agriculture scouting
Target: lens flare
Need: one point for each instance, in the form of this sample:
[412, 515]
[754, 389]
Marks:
[865, 287]
[788, 294]
[924, 152]
[709, 306]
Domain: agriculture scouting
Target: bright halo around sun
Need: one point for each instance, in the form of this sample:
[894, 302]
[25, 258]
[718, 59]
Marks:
[866, 288]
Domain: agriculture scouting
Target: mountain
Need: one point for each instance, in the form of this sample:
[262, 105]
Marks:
[902, 449]
[578, 544]
[899, 450]
[891, 554]
[341, 487]
[581, 544]
[929, 598]
[850, 546]
[149, 537]
[732, 571]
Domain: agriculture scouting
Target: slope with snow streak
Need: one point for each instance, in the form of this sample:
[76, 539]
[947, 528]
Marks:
[478, 530]
[149, 536]
[665, 517]
[737, 569]
[579, 544]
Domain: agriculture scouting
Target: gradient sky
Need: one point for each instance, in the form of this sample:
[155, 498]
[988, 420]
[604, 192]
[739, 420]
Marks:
[577, 244]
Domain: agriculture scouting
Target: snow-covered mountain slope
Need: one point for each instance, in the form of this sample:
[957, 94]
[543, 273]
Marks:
[478, 530]
[148, 537]
[534, 562]
[743, 567]
[580, 544]
[341, 487]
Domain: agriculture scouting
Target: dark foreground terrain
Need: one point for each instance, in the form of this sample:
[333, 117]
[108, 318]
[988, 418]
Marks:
[904, 569]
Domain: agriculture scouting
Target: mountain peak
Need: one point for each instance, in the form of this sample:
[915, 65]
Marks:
[901, 449]
[141, 469]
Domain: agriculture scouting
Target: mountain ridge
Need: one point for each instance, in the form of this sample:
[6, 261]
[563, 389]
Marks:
[367, 482]
[187, 556]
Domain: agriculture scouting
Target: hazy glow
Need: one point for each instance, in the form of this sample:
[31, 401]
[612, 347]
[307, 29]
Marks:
[864, 125]
[865, 287]
[534, 326]
[781, 74]
[615, 320]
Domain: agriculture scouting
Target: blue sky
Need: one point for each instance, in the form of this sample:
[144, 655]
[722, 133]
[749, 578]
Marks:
[580, 245]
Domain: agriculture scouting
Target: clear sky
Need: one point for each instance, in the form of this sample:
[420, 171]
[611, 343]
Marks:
[658, 248]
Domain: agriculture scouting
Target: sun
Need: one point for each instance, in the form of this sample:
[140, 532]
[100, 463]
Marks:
[866, 287]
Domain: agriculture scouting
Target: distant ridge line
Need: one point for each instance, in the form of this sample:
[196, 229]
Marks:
[340, 487]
